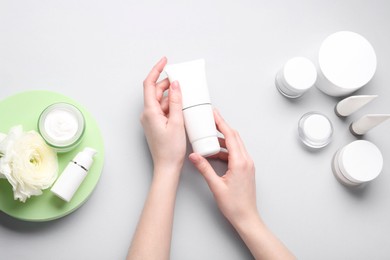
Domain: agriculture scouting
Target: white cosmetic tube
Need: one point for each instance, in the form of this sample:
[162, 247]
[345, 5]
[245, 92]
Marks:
[197, 108]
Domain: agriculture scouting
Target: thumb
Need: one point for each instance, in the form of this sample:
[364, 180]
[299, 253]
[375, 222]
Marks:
[175, 103]
[204, 167]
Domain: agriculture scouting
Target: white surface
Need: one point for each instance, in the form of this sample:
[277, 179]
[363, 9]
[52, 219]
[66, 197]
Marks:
[361, 161]
[348, 61]
[99, 52]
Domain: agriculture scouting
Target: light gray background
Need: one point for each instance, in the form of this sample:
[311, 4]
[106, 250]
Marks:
[99, 52]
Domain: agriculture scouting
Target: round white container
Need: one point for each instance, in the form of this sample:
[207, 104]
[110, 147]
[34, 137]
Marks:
[315, 130]
[347, 62]
[296, 77]
[358, 162]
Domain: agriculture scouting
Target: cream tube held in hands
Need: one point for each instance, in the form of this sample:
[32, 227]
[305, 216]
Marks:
[74, 174]
[197, 108]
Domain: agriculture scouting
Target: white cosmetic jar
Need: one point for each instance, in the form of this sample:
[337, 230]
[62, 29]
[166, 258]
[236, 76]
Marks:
[315, 130]
[296, 77]
[62, 126]
[347, 61]
[357, 163]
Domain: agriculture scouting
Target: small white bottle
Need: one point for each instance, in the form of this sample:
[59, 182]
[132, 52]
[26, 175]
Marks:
[74, 174]
[197, 108]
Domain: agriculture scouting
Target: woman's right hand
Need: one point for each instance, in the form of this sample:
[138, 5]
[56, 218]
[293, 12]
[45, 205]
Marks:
[234, 192]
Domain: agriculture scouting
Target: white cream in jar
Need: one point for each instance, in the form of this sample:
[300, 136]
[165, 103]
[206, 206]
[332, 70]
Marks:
[62, 125]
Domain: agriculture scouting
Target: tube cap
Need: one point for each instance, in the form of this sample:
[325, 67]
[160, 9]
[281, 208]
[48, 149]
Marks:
[206, 146]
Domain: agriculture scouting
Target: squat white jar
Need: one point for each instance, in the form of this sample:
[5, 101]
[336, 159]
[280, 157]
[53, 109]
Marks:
[347, 61]
[357, 163]
[296, 77]
[62, 126]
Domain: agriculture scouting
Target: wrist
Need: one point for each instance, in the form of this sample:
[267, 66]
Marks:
[167, 173]
[247, 222]
[167, 168]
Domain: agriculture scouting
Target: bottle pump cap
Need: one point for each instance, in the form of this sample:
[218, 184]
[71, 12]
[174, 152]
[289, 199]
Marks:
[85, 158]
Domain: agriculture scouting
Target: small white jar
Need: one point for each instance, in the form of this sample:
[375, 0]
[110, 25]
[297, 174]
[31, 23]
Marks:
[315, 130]
[347, 62]
[357, 163]
[62, 126]
[296, 77]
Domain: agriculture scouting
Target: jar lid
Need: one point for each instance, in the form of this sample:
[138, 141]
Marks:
[361, 161]
[299, 73]
[315, 130]
[347, 60]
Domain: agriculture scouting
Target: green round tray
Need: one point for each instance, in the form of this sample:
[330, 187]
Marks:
[24, 109]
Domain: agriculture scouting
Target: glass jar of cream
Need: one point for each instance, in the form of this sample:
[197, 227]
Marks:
[315, 130]
[62, 125]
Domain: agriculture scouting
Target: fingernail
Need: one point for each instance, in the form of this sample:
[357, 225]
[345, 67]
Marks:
[162, 59]
[175, 85]
[193, 158]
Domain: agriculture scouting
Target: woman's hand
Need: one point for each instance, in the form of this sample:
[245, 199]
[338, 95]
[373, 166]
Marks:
[234, 192]
[162, 120]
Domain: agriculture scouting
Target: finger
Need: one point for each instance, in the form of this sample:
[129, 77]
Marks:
[204, 167]
[231, 142]
[175, 104]
[222, 155]
[242, 145]
[161, 87]
[222, 142]
[150, 82]
[165, 105]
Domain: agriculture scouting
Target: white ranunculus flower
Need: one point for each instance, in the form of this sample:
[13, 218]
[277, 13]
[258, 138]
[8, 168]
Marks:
[2, 137]
[6, 146]
[28, 163]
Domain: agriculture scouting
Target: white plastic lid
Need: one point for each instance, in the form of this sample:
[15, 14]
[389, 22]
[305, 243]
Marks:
[206, 146]
[315, 130]
[361, 161]
[300, 74]
[347, 60]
